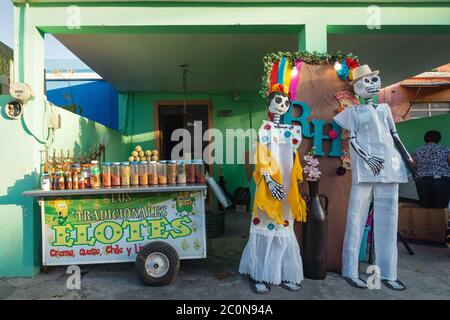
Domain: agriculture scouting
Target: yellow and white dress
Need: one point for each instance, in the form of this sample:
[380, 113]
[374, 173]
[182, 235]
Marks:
[272, 254]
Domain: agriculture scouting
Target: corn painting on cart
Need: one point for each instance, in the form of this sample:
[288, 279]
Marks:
[153, 226]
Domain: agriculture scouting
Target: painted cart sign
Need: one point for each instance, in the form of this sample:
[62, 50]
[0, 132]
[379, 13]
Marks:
[112, 228]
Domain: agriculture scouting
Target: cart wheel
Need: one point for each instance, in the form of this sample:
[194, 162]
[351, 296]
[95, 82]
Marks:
[157, 264]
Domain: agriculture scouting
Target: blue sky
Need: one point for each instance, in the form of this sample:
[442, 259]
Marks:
[53, 48]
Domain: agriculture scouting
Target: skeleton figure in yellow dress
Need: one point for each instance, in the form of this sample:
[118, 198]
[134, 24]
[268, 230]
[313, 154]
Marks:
[272, 254]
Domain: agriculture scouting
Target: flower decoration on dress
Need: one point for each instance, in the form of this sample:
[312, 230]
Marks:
[256, 221]
[311, 169]
[270, 226]
[286, 223]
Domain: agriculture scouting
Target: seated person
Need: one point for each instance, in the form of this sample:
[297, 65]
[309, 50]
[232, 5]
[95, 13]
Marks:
[432, 162]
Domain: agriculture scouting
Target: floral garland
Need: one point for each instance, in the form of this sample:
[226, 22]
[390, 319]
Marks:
[344, 63]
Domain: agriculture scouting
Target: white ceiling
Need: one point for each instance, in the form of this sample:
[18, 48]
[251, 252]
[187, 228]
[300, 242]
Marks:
[224, 62]
[151, 62]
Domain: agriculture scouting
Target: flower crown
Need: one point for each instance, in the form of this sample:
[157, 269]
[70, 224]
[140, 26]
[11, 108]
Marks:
[278, 87]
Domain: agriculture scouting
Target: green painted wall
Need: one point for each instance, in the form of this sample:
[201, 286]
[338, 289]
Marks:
[19, 225]
[246, 113]
[19, 216]
[412, 131]
[79, 134]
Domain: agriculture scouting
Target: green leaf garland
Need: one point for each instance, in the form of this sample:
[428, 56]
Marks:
[314, 58]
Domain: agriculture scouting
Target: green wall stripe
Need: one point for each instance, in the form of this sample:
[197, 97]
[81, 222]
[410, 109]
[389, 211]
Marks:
[247, 4]
[295, 29]
[386, 29]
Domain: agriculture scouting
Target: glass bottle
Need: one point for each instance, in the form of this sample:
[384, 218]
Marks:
[115, 174]
[106, 174]
[125, 174]
[162, 172]
[190, 171]
[95, 175]
[153, 173]
[181, 172]
[135, 173]
[143, 173]
[172, 172]
[200, 171]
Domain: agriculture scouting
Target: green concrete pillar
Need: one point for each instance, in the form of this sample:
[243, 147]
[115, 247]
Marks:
[20, 235]
[313, 37]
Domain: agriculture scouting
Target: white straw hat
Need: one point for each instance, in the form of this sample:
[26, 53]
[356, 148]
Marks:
[361, 71]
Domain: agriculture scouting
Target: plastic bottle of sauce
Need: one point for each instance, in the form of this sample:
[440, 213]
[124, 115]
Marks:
[61, 181]
[86, 172]
[75, 181]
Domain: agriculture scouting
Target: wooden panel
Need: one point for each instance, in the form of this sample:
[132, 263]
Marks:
[317, 86]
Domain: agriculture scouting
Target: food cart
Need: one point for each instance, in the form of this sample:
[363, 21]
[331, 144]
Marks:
[153, 226]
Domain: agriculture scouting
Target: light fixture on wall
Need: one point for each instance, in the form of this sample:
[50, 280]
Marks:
[236, 96]
[184, 71]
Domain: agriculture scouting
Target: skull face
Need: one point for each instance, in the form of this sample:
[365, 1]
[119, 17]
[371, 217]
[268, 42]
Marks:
[278, 103]
[367, 87]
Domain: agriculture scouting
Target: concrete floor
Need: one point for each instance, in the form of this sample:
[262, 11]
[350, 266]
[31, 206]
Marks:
[426, 275]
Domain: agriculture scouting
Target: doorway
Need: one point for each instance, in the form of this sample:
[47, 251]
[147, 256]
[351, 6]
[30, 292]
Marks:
[170, 116]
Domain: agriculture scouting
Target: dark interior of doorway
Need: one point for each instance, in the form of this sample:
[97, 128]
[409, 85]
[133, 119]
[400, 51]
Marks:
[176, 116]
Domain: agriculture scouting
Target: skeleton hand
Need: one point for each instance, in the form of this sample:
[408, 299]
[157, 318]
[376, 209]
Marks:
[275, 188]
[375, 164]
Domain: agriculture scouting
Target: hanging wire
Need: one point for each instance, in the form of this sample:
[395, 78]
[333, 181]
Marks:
[185, 70]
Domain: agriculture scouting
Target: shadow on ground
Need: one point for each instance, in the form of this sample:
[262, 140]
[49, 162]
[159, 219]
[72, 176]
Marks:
[425, 274]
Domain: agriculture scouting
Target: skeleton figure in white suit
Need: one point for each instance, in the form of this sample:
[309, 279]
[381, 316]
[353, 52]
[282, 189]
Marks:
[377, 169]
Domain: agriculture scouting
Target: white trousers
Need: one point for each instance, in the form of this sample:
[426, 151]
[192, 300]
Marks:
[385, 196]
